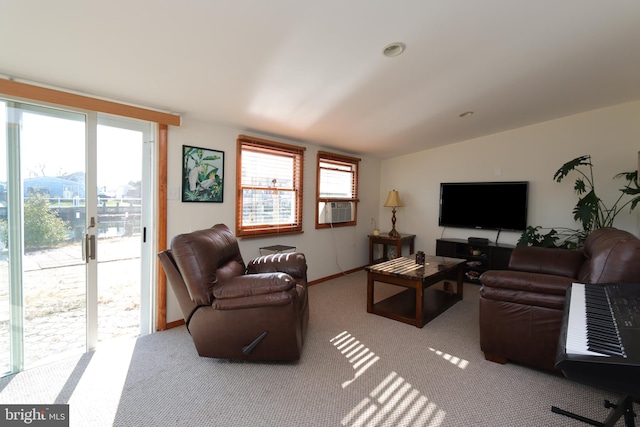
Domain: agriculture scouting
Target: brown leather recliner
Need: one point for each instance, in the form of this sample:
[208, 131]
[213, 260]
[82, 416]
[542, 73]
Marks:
[521, 309]
[233, 311]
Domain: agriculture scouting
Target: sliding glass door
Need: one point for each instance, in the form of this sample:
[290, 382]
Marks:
[74, 258]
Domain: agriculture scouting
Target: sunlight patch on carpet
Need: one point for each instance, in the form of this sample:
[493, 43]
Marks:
[361, 358]
[394, 402]
[108, 368]
[460, 363]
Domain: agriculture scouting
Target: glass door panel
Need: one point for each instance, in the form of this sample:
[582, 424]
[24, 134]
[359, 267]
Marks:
[5, 304]
[121, 284]
[52, 173]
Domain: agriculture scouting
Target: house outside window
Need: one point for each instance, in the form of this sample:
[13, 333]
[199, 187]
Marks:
[336, 190]
[269, 178]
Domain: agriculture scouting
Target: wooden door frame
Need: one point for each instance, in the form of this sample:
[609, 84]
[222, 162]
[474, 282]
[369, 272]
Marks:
[161, 295]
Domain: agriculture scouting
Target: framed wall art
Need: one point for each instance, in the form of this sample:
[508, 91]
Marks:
[202, 174]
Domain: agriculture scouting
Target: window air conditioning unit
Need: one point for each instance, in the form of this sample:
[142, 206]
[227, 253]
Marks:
[335, 212]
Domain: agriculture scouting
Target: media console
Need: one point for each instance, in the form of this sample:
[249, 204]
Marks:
[480, 256]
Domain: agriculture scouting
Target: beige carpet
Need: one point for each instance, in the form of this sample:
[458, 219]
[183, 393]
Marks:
[357, 369]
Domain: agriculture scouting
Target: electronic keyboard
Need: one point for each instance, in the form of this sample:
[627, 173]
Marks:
[599, 345]
[600, 336]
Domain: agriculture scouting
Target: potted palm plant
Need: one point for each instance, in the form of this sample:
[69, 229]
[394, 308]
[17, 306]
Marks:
[590, 210]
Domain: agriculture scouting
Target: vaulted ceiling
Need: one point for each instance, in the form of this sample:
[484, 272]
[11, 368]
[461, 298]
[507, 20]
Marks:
[314, 71]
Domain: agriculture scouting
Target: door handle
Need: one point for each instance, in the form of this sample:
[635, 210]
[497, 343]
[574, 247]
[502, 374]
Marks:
[89, 248]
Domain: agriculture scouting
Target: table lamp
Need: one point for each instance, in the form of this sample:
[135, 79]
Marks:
[393, 201]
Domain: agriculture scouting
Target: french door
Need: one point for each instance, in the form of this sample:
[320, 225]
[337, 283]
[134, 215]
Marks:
[75, 260]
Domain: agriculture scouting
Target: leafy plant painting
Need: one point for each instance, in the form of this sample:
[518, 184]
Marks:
[202, 174]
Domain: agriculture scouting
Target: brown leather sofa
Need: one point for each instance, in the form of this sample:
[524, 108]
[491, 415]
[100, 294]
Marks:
[521, 309]
[256, 312]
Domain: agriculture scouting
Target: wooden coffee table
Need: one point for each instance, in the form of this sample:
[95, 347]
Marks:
[418, 304]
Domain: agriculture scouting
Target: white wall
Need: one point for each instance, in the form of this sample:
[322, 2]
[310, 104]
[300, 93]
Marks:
[533, 153]
[328, 251]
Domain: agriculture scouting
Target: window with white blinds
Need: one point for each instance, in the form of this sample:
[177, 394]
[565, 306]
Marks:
[269, 182]
[336, 190]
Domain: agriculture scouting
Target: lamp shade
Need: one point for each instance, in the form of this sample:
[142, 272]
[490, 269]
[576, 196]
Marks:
[393, 199]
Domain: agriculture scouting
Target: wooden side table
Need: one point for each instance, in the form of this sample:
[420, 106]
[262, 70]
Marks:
[385, 240]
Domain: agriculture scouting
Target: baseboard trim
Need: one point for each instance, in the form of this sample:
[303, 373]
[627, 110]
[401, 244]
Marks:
[175, 324]
[334, 276]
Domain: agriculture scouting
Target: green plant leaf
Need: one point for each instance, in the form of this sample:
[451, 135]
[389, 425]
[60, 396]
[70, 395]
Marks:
[571, 165]
[630, 191]
[549, 240]
[580, 187]
[586, 210]
[630, 177]
[528, 236]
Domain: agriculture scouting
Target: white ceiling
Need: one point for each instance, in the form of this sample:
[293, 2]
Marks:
[313, 70]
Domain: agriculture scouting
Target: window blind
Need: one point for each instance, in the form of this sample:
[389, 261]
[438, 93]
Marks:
[337, 181]
[269, 183]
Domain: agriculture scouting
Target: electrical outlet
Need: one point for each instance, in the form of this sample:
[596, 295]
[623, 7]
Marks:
[372, 221]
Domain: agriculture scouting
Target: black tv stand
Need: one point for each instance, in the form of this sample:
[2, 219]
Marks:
[480, 256]
[478, 240]
[623, 408]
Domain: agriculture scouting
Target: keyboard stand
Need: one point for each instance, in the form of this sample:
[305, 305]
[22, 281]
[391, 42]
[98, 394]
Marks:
[623, 407]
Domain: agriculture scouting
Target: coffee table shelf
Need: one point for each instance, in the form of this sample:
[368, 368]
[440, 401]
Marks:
[402, 306]
[418, 304]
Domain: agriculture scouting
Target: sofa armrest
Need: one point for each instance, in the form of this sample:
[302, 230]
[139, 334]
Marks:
[554, 261]
[524, 282]
[292, 263]
[253, 284]
[255, 301]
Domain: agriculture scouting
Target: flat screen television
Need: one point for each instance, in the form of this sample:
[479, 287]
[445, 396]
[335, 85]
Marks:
[484, 205]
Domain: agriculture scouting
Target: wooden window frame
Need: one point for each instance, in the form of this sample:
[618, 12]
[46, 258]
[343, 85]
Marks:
[245, 142]
[338, 159]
